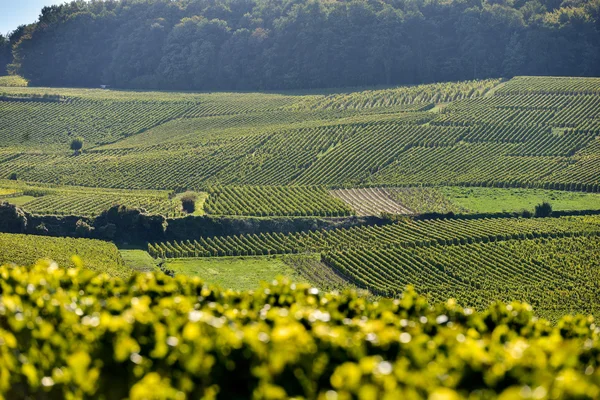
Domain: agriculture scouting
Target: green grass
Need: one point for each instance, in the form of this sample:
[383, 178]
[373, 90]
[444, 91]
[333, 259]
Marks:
[138, 260]
[492, 200]
[19, 200]
[238, 273]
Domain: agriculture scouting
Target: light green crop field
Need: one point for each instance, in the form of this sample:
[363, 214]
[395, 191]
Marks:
[238, 273]
[491, 200]
[465, 200]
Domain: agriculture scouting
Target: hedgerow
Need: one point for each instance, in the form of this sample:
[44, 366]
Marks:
[69, 333]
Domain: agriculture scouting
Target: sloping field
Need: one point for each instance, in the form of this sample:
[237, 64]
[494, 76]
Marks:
[93, 254]
[552, 263]
[532, 132]
[370, 201]
[558, 276]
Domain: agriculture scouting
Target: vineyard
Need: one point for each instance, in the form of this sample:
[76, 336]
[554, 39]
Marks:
[415, 96]
[275, 201]
[556, 276]
[403, 234]
[93, 254]
[537, 132]
[79, 335]
[371, 201]
[551, 263]
[89, 202]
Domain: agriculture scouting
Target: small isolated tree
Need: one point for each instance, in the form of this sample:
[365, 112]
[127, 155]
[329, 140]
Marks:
[188, 202]
[543, 210]
[13, 176]
[77, 145]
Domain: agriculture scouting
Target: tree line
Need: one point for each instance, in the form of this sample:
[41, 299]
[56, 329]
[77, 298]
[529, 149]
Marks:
[301, 44]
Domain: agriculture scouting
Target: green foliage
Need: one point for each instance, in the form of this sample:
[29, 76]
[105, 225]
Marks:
[74, 334]
[90, 202]
[318, 44]
[96, 255]
[77, 144]
[404, 233]
[503, 139]
[275, 201]
[188, 202]
[543, 210]
[558, 276]
[13, 81]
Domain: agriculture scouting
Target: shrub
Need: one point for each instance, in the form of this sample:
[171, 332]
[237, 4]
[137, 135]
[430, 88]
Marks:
[77, 145]
[543, 210]
[188, 202]
[77, 334]
[13, 176]
[12, 218]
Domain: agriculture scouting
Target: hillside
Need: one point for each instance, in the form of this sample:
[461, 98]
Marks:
[433, 186]
[527, 132]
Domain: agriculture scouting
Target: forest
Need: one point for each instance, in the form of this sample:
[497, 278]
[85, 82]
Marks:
[301, 44]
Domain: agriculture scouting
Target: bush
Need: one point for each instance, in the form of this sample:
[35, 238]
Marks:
[13, 176]
[12, 218]
[77, 145]
[77, 334]
[543, 210]
[188, 202]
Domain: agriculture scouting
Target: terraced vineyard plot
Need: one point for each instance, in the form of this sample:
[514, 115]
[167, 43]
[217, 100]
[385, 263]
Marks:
[35, 123]
[403, 96]
[467, 163]
[93, 204]
[65, 200]
[401, 234]
[554, 275]
[547, 85]
[371, 201]
[372, 149]
[161, 170]
[95, 254]
[275, 201]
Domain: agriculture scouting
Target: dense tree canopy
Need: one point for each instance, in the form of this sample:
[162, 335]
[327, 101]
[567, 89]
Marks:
[290, 44]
